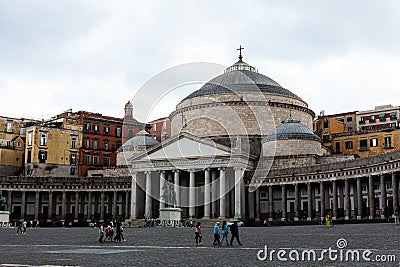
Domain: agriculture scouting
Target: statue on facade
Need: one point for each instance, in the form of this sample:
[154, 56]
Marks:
[169, 194]
[3, 201]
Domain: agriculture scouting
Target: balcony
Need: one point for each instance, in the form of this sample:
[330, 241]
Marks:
[382, 119]
[363, 148]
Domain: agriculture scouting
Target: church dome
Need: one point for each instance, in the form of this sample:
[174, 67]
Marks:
[241, 78]
[141, 141]
[291, 129]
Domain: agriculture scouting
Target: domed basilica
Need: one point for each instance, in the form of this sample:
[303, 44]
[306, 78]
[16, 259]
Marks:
[226, 137]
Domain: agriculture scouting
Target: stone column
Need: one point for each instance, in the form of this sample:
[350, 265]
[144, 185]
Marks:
[309, 200]
[284, 203]
[207, 194]
[214, 196]
[238, 191]
[222, 194]
[296, 202]
[89, 210]
[149, 202]
[133, 198]
[9, 200]
[114, 205]
[162, 183]
[359, 199]
[23, 204]
[270, 203]
[192, 193]
[76, 215]
[128, 207]
[37, 205]
[102, 206]
[347, 200]
[50, 210]
[335, 200]
[64, 205]
[371, 195]
[383, 196]
[257, 215]
[177, 188]
[251, 204]
[395, 193]
[322, 198]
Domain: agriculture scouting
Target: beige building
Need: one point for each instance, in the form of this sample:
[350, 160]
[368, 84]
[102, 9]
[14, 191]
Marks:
[12, 141]
[52, 151]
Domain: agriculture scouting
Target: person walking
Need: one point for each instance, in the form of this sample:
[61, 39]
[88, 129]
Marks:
[216, 234]
[101, 233]
[328, 220]
[19, 228]
[224, 233]
[197, 232]
[24, 224]
[235, 233]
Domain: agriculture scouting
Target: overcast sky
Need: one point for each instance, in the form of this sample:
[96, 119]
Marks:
[338, 55]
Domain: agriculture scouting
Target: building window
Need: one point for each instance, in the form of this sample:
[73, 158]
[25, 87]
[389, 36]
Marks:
[349, 119]
[373, 142]
[117, 144]
[72, 159]
[95, 143]
[29, 156]
[86, 160]
[337, 146]
[118, 132]
[326, 138]
[87, 127]
[372, 119]
[9, 127]
[130, 133]
[362, 120]
[72, 171]
[96, 128]
[393, 116]
[326, 123]
[382, 117]
[106, 130]
[29, 138]
[107, 160]
[19, 144]
[73, 141]
[388, 142]
[106, 144]
[363, 145]
[43, 139]
[95, 160]
[263, 194]
[87, 143]
[349, 144]
[42, 156]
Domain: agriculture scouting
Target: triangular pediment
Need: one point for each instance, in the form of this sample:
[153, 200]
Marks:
[185, 146]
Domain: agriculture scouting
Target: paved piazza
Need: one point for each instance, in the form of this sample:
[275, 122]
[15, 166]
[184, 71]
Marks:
[175, 246]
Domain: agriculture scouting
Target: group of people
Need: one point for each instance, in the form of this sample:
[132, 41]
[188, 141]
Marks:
[220, 233]
[106, 233]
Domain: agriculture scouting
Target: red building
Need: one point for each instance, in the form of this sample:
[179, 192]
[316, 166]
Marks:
[102, 136]
[160, 129]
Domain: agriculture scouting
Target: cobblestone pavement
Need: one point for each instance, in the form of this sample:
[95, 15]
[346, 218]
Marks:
[176, 247]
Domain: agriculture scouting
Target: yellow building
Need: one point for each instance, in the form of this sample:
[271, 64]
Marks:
[366, 144]
[52, 151]
[11, 145]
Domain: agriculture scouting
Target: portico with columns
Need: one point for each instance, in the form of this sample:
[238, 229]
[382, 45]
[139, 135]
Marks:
[208, 179]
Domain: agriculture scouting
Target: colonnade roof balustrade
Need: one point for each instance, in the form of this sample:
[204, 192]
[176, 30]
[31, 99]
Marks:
[362, 167]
